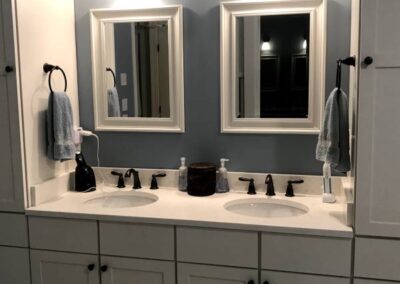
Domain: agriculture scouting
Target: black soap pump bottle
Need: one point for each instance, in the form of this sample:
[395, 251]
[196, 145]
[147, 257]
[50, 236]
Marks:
[85, 180]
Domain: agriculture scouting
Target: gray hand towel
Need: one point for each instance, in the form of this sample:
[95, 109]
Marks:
[333, 141]
[114, 109]
[60, 143]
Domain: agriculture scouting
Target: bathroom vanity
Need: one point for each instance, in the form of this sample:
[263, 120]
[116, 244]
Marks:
[164, 235]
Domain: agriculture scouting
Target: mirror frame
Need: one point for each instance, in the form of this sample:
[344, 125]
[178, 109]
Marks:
[229, 12]
[171, 14]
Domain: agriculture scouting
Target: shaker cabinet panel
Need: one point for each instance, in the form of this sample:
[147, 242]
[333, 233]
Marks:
[377, 258]
[60, 234]
[306, 254]
[272, 277]
[14, 265]
[137, 240]
[63, 268]
[216, 246]
[205, 274]
[128, 270]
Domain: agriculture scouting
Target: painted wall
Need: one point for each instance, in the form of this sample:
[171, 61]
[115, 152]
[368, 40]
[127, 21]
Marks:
[46, 33]
[203, 140]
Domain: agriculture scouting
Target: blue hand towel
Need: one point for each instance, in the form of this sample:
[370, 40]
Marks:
[60, 143]
[333, 142]
[114, 109]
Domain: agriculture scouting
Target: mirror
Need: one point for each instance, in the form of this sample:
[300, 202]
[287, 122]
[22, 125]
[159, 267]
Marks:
[272, 66]
[274, 80]
[140, 66]
[137, 66]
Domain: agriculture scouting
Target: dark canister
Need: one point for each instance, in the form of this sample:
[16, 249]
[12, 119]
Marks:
[201, 179]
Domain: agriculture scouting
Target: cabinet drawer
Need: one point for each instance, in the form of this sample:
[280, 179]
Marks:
[377, 258]
[63, 234]
[307, 254]
[207, 274]
[137, 240]
[367, 281]
[15, 230]
[273, 277]
[214, 246]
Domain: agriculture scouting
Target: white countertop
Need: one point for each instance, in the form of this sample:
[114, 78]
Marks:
[178, 208]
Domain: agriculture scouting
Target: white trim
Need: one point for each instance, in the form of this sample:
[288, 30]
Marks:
[171, 14]
[229, 12]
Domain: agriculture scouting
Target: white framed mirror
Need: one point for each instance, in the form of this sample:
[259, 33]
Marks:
[272, 66]
[137, 65]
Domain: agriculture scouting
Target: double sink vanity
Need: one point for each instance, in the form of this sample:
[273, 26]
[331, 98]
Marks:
[165, 235]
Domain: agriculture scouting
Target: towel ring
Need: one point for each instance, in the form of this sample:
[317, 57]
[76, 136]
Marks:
[50, 68]
[112, 72]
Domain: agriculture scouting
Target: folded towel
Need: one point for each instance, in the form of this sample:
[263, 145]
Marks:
[114, 109]
[60, 143]
[333, 141]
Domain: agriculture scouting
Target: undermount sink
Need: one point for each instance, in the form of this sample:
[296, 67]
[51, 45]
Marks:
[122, 200]
[263, 207]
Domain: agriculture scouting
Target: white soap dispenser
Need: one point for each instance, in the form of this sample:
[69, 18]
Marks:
[183, 175]
[222, 182]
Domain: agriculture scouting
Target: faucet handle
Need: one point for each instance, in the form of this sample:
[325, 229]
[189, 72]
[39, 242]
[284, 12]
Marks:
[289, 189]
[121, 182]
[252, 188]
[270, 185]
[154, 177]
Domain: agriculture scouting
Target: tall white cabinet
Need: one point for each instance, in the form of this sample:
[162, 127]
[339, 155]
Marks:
[378, 152]
[11, 174]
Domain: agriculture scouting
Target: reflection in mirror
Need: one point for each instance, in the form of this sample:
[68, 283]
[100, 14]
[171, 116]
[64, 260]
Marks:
[137, 69]
[272, 66]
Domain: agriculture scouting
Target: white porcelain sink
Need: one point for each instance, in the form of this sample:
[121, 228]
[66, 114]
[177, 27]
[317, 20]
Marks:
[122, 200]
[265, 207]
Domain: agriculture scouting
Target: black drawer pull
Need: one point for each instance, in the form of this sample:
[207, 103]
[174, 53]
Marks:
[103, 268]
[251, 282]
[90, 267]
[368, 60]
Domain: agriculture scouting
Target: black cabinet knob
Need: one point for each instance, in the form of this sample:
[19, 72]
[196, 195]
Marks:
[266, 282]
[103, 268]
[9, 69]
[90, 267]
[251, 282]
[368, 60]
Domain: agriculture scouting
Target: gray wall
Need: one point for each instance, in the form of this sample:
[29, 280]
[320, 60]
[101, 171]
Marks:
[202, 140]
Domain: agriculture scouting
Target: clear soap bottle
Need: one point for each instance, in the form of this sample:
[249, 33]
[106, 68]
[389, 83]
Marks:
[183, 175]
[222, 182]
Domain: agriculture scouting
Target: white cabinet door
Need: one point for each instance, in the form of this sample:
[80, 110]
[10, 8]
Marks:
[11, 174]
[14, 265]
[378, 155]
[63, 268]
[117, 270]
[206, 274]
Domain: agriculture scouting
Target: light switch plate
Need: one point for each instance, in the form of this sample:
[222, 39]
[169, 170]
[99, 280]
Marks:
[124, 104]
[123, 79]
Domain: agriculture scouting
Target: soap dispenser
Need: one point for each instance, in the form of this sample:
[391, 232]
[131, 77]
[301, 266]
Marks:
[183, 171]
[222, 183]
[85, 180]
